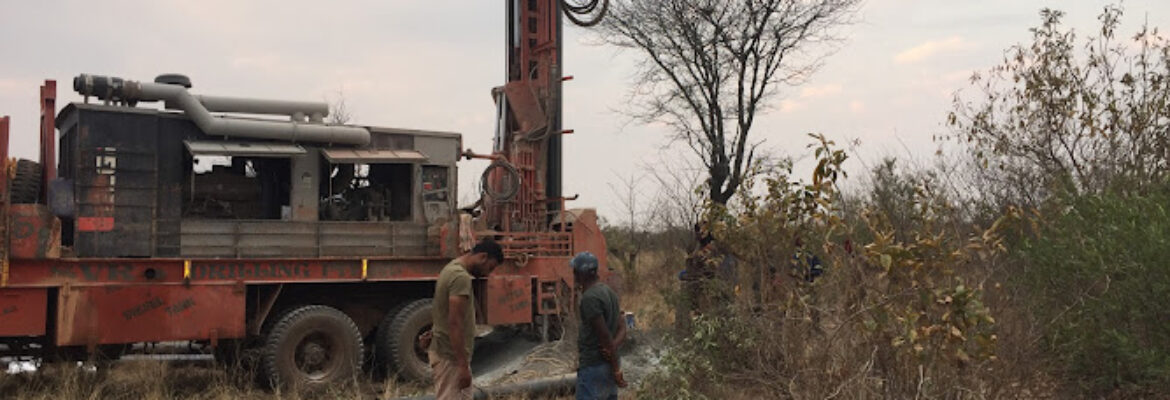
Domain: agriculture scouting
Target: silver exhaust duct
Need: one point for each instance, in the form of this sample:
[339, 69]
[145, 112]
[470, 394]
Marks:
[177, 96]
[316, 112]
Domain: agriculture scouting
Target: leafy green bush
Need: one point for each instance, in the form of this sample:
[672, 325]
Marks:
[891, 318]
[1099, 275]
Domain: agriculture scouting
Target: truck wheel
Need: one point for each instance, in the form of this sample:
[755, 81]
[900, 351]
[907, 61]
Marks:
[26, 184]
[311, 347]
[378, 362]
[398, 341]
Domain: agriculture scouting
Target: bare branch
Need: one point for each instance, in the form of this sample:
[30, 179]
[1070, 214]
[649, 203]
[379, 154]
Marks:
[711, 65]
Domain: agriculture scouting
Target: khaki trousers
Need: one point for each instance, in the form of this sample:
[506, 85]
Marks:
[446, 375]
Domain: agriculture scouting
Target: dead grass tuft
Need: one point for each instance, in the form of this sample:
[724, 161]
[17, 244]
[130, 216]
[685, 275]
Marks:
[158, 380]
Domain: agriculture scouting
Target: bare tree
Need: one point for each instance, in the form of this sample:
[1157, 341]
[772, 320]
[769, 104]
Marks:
[627, 239]
[710, 65]
[679, 201]
[339, 113]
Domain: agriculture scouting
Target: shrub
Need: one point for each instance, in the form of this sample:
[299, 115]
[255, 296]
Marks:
[1098, 274]
[890, 318]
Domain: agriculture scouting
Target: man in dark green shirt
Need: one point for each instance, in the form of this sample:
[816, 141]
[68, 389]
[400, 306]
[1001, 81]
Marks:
[453, 319]
[602, 331]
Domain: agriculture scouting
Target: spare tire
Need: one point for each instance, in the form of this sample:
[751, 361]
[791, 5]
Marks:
[26, 183]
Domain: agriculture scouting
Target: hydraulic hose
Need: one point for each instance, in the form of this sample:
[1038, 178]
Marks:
[582, 12]
[510, 181]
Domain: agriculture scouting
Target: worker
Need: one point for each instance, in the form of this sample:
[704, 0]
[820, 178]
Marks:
[691, 279]
[805, 263]
[602, 331]
[453, 331]
[710, 278]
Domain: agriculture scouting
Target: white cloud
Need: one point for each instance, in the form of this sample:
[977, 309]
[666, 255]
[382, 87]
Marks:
[11, 86]
[813, 92]
[261, 62]
[958, 76]
[788, 106]
[929, 49]
[857, 106]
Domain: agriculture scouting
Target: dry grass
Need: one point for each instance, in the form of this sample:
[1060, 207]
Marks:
[646, 293]
[157, 380]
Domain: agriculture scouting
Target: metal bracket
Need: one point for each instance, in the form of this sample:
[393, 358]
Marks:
[263, 310]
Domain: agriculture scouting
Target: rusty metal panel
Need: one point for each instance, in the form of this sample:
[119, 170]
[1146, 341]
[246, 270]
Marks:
[4, 236]
[95, 224]
[209, 238]
[442, 151]
[128, 314]
[130, 272]
[525, 106]
[36, 233]
[507, 300]
[48, 138]
[410, 240]
[67, 168]
[362, 239]
[554, 277]
[392, 141]
[61, 272]
[173, 162]
[23, 311]
[277, 239]
[374, 238]
[373, 234]
[116, 182]
[587, 237]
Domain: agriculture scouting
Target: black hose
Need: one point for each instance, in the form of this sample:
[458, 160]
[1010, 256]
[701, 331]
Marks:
[552, 386]
[583, 9]
[511, 181]
[582, 14]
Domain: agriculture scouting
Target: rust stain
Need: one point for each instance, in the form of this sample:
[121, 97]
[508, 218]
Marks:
[95, 224]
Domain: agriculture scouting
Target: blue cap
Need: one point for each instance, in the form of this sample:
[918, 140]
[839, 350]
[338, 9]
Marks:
[584, 263]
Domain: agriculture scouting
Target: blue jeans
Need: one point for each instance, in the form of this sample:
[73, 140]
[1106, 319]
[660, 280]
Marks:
[595, 382]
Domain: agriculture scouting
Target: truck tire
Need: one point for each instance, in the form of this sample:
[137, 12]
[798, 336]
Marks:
[26, 184]
[309, 348]
[378, 362]
[398, 341]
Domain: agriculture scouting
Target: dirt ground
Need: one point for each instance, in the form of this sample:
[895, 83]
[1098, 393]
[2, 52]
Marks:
[502, 357]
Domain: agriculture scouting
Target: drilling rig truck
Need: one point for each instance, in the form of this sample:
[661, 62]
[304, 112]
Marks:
[249, 225]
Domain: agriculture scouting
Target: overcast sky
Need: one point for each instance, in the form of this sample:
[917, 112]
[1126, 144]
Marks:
[430, 64]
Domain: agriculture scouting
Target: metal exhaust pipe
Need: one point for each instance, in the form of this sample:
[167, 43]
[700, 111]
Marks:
[117, 89]
[315, 111]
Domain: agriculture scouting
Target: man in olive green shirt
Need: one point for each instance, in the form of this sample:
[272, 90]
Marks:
[453, 313]
[602, 332]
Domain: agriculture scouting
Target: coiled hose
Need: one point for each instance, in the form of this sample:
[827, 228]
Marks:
[510, 181]
[581, 12]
